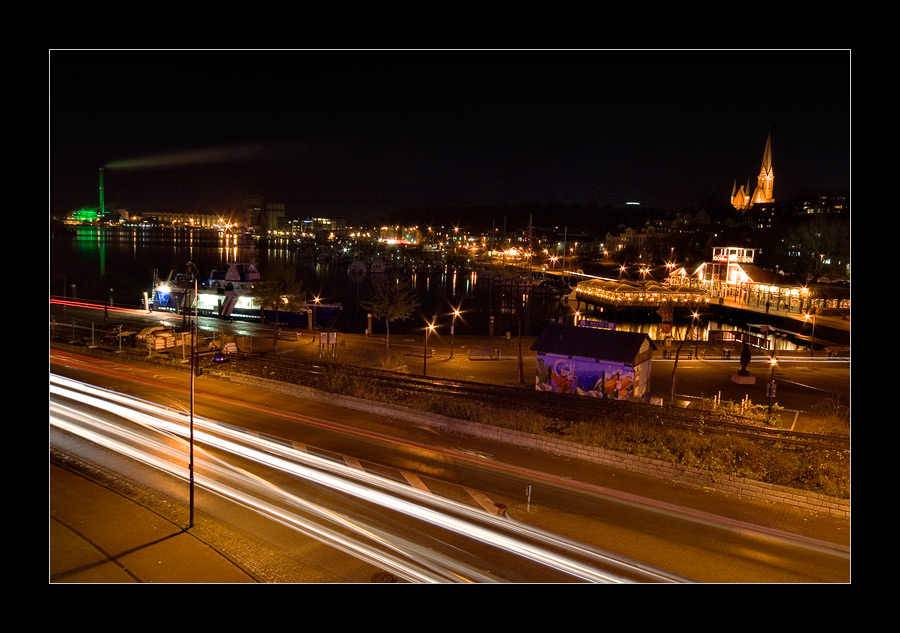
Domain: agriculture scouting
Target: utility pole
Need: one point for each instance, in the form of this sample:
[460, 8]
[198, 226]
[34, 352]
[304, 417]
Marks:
[771, 390]
[452, 329]
[428, 329]
[194, 331]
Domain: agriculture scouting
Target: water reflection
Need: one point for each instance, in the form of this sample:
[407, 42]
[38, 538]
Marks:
[709, 331]
[97, 263]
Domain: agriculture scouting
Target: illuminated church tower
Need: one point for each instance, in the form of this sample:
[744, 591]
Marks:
[741, 198]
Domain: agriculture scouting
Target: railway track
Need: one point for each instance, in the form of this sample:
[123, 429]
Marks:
[562, 408]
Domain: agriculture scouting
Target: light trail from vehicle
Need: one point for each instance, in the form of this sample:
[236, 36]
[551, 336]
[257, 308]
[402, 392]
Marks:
[98, 431]
[414, 561]
[97, 305]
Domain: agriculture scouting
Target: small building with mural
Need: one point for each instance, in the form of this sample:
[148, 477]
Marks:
[595, 362]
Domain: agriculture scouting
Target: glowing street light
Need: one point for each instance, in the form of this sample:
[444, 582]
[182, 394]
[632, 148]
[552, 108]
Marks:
[192, 268]
[429, 328]
[812, 337]
[452, 329]
[696, 318]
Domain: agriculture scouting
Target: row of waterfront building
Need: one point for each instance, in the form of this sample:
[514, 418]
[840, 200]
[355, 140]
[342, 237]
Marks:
[730, 275]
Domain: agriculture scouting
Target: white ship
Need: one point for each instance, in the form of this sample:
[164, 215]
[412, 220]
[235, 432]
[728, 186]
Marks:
[233, 293]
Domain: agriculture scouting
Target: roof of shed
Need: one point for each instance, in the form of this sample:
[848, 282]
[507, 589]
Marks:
[571, 340]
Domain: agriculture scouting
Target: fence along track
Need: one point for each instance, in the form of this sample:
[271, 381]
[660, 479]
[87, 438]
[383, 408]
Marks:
[566, 407]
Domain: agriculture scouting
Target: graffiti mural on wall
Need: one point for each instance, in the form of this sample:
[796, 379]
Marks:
[586, 378]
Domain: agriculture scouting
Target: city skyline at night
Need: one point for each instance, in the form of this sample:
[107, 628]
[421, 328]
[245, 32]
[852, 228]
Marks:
[358, 134]
[437, 316]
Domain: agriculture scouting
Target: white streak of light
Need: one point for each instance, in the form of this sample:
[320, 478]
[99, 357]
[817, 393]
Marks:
[172, 422]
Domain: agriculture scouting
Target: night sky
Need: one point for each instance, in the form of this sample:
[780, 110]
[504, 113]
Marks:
[358, 134]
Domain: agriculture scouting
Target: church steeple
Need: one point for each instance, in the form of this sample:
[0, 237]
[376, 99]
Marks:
[765, 184]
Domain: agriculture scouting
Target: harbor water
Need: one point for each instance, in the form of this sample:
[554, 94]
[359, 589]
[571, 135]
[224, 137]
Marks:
[118, 265]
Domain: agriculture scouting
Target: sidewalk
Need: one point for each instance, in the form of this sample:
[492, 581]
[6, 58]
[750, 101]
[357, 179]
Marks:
[99, 536]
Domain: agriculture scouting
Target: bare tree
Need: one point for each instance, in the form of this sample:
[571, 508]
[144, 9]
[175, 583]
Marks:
[391, 299]
[820, 244]
[280, 291]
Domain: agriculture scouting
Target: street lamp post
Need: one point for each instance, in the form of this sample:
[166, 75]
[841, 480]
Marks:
[812, 337]
[315, 305]
[696, 329]
[772, 361]
[194, 331]
[428, 329]
[453, 329]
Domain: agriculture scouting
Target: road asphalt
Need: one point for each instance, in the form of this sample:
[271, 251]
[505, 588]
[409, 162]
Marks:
[100, 535]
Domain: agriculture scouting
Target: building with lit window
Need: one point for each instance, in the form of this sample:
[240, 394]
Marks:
[742, 199]
[197, 220]
[638, 244]
[732, 276]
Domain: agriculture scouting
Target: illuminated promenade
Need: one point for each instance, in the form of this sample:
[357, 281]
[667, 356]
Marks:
[651, 296]
[639, 295]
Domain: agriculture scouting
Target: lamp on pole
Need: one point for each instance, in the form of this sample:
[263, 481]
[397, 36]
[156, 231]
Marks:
[428, 330]
[193, 269]
[452, 329]
[812, 337]
[694, 322]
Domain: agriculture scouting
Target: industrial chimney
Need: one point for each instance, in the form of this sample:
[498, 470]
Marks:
[102, 202]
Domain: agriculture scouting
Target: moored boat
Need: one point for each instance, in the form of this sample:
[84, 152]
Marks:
[234, 293]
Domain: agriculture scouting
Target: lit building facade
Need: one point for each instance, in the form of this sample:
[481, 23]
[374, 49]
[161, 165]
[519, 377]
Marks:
[198, 220]
[732, 276]
[641, 244]
[742, 199]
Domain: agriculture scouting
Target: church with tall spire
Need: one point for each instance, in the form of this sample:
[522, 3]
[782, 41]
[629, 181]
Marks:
[742, 199]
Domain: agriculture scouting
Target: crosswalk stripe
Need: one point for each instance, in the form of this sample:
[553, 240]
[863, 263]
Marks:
[415, 482]
[353, 463]
[483, 501]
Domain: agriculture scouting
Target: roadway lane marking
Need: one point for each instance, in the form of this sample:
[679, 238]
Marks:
[800, 384]
[415, 482]
[354, 463]
[483, 501]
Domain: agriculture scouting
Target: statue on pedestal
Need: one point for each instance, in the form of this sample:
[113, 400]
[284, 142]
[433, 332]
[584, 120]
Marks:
[743, 376]
[745, 360]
